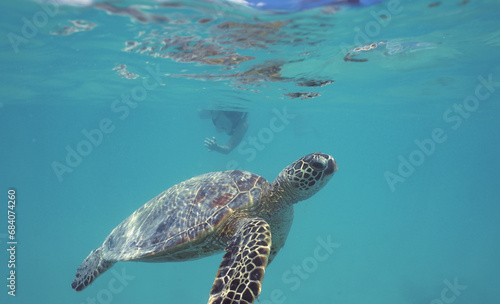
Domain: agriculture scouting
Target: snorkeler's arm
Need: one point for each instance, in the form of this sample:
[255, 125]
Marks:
[234, 141]
[237, 137]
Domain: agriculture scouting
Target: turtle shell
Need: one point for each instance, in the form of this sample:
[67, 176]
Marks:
[183, 219]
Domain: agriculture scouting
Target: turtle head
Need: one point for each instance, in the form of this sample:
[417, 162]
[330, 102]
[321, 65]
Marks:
[303, 178]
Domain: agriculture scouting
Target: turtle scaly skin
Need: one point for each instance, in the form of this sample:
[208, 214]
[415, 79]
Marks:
[238, 211]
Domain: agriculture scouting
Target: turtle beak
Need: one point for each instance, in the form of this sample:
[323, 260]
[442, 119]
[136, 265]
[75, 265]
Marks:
[332, 166]
[328, 162]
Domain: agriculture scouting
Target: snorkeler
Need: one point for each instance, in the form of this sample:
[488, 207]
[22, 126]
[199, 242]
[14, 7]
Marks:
[233, 123]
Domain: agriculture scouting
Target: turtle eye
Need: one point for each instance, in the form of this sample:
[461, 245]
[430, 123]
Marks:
[308, 158]
[318, 165]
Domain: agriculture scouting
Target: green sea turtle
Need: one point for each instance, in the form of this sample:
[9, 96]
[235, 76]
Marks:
[238, 211]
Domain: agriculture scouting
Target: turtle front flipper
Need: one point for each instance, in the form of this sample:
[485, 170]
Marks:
[242, 269]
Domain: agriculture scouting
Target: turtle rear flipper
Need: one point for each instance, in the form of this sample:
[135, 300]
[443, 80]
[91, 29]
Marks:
[243, 266]
[90, 269]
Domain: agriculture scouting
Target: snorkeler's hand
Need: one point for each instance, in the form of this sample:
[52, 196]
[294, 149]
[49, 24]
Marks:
[211, 144]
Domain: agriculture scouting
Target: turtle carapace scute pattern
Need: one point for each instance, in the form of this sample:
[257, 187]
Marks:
[236, 211]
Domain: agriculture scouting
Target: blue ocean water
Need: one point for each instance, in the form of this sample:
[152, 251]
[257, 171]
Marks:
[99, 112]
